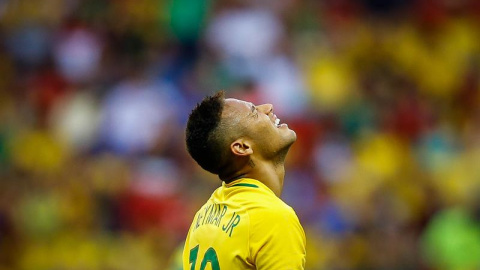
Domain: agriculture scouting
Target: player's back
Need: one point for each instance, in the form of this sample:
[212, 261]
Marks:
[237, 224]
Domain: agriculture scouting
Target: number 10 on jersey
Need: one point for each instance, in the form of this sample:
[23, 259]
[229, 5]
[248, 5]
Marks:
[210, 256]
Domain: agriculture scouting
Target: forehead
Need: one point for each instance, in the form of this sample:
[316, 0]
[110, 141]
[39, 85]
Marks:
[237, 107]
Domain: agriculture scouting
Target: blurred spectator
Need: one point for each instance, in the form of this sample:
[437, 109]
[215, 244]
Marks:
[134, 114]
[452, 240]
[77, 54]
[75, 120]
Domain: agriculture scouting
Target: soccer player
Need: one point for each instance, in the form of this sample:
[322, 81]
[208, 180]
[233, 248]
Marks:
[244, 224]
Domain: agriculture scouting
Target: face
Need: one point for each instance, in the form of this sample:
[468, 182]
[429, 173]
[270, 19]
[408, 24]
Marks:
[258, 123]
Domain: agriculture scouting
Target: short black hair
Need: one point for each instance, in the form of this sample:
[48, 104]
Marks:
[203, 135]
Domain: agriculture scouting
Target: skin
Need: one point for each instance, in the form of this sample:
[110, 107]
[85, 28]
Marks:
[258, 146]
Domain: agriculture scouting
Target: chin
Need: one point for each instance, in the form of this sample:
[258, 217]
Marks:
[291, 138]
[293, 135]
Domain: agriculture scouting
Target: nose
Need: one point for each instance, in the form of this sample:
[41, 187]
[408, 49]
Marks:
[265, 108]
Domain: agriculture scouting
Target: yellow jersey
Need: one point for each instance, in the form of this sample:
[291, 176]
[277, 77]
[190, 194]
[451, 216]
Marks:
[244, 225]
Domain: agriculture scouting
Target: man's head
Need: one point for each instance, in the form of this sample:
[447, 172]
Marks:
[223, 135]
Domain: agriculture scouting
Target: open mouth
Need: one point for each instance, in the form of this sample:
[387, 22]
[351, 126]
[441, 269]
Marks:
[277, 123]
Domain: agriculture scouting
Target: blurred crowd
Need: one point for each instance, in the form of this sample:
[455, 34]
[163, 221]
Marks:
[384, 97]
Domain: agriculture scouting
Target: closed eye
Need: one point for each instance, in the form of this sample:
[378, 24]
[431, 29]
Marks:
[254, 111]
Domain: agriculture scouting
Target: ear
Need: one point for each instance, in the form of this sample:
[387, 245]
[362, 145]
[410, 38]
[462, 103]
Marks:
[241, 147]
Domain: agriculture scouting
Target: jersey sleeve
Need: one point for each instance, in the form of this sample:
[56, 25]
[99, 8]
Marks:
[277, 240]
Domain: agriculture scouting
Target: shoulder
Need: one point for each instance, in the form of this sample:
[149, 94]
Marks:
[261, 202]
[276, 237]
[265, 210]
[258, 201]
[272, 212]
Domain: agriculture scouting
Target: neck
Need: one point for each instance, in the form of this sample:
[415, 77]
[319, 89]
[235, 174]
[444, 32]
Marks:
[269, 173]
